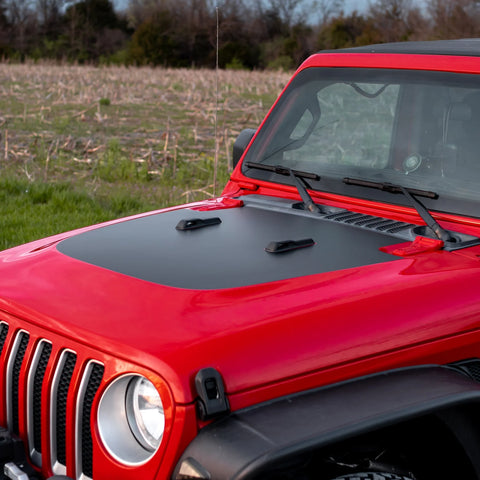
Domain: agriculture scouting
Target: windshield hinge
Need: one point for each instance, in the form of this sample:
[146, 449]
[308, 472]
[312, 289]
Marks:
[419, 245]
[247, 186]
[212, 402]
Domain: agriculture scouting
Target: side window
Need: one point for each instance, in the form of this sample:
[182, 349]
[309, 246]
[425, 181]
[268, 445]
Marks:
[355, 126]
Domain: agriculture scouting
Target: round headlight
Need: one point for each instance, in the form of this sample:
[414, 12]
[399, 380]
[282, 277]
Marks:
[145, 413]
[131, 420]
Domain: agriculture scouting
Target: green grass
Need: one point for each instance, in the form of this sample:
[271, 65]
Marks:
[33, 210]
[81, 145]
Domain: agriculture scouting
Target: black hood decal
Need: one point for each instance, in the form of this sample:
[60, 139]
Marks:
[230, 253]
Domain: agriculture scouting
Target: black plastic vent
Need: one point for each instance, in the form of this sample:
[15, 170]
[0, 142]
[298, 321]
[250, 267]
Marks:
[378, 224]
[471, 367]
[94, 381]
[347, 217]
[474, 370]
[398, 227]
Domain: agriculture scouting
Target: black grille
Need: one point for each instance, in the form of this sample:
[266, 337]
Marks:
[17, 366]
[37, 395]
[470, 367]
[355, 218]
[342, 216]
[62, 395]
[399, 227]
[391, 224]
[3, 335]
[474, 369]
[368, 221]
[378, 222]
[33, 366]
[94, 381]
[365, 220]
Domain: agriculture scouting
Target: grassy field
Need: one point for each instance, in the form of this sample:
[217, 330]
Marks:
[80, 145]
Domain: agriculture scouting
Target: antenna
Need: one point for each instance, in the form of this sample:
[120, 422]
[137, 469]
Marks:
[215, 163]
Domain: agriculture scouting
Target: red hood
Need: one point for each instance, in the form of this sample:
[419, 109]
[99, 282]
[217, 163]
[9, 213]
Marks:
[325, 324]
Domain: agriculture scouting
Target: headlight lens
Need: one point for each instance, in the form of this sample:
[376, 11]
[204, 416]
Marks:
[145, 413]
[131, 419]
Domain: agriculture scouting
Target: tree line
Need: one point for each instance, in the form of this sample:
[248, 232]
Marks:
[251, 33]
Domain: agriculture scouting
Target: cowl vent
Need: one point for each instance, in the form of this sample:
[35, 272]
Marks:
[406, 232]
[378, 224]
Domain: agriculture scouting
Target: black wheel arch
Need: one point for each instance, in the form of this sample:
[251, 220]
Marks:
[247, 444]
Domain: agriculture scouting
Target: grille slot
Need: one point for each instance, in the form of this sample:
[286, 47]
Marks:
[58, 411]
[14, 366]
[91, 380]
[3, 335]
[34, 400]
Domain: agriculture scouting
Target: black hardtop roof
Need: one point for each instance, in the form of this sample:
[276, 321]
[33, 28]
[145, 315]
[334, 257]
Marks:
[467, 47]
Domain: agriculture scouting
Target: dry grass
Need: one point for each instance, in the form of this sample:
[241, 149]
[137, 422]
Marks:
[108, 128]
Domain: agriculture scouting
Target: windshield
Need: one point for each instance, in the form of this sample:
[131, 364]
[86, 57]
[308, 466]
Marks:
[413, 128]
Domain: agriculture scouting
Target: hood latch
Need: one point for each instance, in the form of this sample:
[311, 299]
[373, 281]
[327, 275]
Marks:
[213, 401]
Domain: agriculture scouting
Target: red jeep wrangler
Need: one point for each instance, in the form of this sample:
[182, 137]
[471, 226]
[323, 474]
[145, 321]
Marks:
[320, 320]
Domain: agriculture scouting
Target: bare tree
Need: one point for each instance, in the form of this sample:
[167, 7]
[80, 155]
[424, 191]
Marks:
[21, 17]
[141, 10]
[49, 14]
[392, 19]
[394, 10]
[18, 11]
[4, 27]
[454, 18]
[289, 11]
[328, 9]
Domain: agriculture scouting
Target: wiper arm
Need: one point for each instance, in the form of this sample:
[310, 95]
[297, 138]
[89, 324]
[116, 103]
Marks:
[426, 216]
[297, 175]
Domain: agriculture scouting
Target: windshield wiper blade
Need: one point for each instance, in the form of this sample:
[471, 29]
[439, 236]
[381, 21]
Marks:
[281, 170]
[389, 187]
[426, 216]
[298, 176]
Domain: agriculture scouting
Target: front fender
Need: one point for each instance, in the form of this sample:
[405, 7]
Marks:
[249, 441]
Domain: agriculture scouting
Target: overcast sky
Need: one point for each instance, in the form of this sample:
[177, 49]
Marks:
[350, 5]
[359, 5]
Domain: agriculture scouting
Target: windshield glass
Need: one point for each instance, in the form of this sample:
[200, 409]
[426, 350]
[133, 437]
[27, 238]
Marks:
[413, 128]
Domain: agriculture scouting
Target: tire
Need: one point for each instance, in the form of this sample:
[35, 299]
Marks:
[371, 476]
